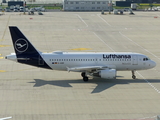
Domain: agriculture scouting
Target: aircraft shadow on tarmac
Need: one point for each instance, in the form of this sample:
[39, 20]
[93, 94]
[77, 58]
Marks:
[102, 84]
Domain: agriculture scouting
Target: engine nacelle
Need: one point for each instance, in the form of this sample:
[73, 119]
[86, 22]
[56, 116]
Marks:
[106, 74]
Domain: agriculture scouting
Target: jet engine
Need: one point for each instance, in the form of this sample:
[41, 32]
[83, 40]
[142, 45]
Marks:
[106, 74]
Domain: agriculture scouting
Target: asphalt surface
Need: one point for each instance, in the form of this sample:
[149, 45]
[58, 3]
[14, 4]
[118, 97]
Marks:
[30, 93]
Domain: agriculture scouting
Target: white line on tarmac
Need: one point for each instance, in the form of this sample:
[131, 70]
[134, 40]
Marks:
[104, 42]
[148, 117]
[136, 71]
[139, 45]
[82, 20]
[148, 82]
[148, 52]
[103, 20]
[157, 15]
[6, 28]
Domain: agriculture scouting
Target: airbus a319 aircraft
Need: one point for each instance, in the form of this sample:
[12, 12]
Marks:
[97, 64]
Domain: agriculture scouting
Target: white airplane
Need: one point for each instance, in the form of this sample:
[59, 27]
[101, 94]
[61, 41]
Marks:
[96, 64]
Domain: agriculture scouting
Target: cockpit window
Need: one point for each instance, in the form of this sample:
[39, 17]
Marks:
[145, 59]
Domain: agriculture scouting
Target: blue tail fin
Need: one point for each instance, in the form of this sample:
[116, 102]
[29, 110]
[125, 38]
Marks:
[25, 51]
[20, 42]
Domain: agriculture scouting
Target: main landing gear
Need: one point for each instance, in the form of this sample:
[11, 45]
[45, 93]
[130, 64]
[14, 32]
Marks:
[85, 78]
[133, 75]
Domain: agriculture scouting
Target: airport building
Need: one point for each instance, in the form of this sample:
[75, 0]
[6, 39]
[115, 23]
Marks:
[86, 5]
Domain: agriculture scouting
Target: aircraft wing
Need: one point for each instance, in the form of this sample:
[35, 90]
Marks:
[5, 118]
[86, 68]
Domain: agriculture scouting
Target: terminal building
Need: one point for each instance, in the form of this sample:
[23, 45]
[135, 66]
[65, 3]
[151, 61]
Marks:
[87, 5]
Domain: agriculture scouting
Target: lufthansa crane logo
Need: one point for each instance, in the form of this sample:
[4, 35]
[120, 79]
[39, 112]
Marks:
[21, 45]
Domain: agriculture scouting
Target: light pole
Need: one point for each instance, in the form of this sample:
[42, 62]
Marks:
[109, 5]
[24, 6]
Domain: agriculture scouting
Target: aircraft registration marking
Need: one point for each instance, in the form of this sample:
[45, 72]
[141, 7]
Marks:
[57, 62]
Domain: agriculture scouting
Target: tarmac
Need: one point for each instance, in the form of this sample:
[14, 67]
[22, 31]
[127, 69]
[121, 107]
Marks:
[30, 93]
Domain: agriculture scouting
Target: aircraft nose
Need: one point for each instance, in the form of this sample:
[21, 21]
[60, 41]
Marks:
[153, 64]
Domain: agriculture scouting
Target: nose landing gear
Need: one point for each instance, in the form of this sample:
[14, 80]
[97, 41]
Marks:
[133, 75]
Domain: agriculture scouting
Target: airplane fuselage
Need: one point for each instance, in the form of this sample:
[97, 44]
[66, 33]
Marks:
[63, 60]
[118, 61]
[98, 64]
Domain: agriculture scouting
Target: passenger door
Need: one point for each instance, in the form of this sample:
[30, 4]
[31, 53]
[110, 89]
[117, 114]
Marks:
[134, 60]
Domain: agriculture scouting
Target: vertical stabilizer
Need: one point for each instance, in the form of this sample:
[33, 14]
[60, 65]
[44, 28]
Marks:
[26, 53]
[21, 43]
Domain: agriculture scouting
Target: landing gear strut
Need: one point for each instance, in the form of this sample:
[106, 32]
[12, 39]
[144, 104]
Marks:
[133, 75]
[85, 78]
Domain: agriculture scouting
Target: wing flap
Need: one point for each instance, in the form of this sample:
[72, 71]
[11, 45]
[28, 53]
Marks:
[86, 68]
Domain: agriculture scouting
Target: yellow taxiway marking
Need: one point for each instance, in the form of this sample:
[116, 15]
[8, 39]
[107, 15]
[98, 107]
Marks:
[79, 49]
[2, 71]
[4, 45]
[1, 57]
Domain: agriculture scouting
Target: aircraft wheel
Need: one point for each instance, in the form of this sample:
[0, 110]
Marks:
[85, 79]
[83, 74]
[134, 77]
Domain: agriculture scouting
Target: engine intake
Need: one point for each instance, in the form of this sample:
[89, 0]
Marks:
[106, 74]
